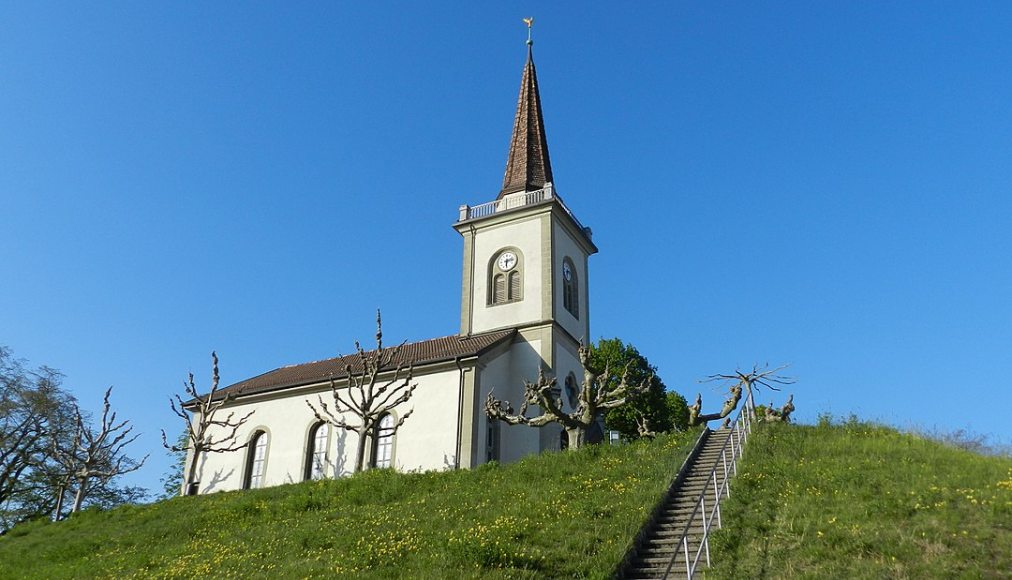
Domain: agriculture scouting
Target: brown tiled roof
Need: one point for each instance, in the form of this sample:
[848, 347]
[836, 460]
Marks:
[528, 167]
[425, 352]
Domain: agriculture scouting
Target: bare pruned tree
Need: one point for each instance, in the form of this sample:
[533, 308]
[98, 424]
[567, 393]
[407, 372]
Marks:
[730, 404]
[96, 455]
[204, 431]
[383, 383]
[783, 414]
[595, 397]
[740, 381]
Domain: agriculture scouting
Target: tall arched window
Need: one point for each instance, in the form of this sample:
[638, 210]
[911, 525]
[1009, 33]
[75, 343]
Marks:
[506, 277]
[256, 460]
[316, 452]
[492, 440]
[570, 288]
[572, 391]
[383, 450]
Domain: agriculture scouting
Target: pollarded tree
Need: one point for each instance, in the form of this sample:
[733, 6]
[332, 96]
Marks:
[783, 414]
[383, 382]
[740, 381]
[97, 456]
[695, 416]
[204, 431]
[598, 393]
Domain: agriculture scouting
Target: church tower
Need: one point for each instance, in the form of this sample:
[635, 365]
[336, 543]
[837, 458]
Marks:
[525, 255]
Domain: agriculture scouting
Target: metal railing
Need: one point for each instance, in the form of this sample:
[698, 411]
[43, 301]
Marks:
[725, 468]
[515, 201]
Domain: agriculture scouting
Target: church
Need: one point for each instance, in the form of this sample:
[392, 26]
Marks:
[524, 306]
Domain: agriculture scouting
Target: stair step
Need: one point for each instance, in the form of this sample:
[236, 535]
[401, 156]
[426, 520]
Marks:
[679, 522]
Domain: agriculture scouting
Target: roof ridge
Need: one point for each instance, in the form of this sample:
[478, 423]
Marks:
[433, 350]
[340, 356]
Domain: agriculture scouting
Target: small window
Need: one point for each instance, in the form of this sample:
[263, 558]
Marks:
[492, 441]
[384, 448]
[316, 456]
[570, 288]
[256, 460]
[506, 277]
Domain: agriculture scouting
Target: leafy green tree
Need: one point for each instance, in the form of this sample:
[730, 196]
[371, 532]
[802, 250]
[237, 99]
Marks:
[663, 410]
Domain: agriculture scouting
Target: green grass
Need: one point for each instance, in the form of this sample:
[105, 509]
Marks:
[553, 515]
[863, 501]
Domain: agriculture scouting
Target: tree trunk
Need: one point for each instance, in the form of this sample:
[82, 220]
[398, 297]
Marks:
[576, 435]
[190, 486]
[82, 485]
[360, 454]
[58, 512]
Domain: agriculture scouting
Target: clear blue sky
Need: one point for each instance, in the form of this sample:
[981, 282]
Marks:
[826, 186]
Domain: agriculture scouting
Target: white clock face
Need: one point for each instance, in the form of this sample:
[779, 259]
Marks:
[507, 260]
[567, 273]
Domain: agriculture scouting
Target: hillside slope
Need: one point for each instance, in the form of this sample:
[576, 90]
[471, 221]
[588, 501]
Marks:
[553, 515]
[864, 501]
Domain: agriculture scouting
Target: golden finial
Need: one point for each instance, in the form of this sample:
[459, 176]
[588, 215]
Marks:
[529, 21]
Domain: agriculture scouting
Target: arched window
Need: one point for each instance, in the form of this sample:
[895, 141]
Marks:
[316, 452]
[256, 460]
[383, 449]
[570, 288]
[506, 277]
[572, 391]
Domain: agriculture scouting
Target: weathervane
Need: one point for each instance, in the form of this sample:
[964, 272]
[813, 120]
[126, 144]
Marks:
[529, 21]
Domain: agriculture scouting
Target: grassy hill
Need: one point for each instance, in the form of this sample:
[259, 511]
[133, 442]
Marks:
[863, 501]
[554, 515]
[829, 501]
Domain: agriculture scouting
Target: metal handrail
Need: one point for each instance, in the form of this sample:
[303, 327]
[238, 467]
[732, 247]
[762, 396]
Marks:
[516, 201]
[742, 428]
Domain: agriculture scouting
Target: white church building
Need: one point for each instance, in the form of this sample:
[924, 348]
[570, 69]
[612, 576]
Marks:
[524, 306]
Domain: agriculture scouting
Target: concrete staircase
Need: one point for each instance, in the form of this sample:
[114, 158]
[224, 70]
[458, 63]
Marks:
[661, 538]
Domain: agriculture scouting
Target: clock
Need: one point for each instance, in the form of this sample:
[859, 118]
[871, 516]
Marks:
[507, 260]
[567, 272]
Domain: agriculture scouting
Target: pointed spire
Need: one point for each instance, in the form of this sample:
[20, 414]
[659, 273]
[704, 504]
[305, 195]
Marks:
[528, 167]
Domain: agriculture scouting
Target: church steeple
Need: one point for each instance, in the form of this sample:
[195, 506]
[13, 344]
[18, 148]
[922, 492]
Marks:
[528, 167]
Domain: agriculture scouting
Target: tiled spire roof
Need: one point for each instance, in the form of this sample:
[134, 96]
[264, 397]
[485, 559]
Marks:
[528, 167]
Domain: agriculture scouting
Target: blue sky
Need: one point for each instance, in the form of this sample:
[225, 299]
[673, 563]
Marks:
[806, 183]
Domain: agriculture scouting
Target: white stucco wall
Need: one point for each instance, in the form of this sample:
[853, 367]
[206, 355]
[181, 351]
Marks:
[506, 374]
[427, 440]
[525, 235]
[563, 247]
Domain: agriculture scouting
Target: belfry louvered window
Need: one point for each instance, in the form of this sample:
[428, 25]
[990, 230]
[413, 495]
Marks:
[506, 277]
[499, 289]
[570, 288]
[514, 288]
